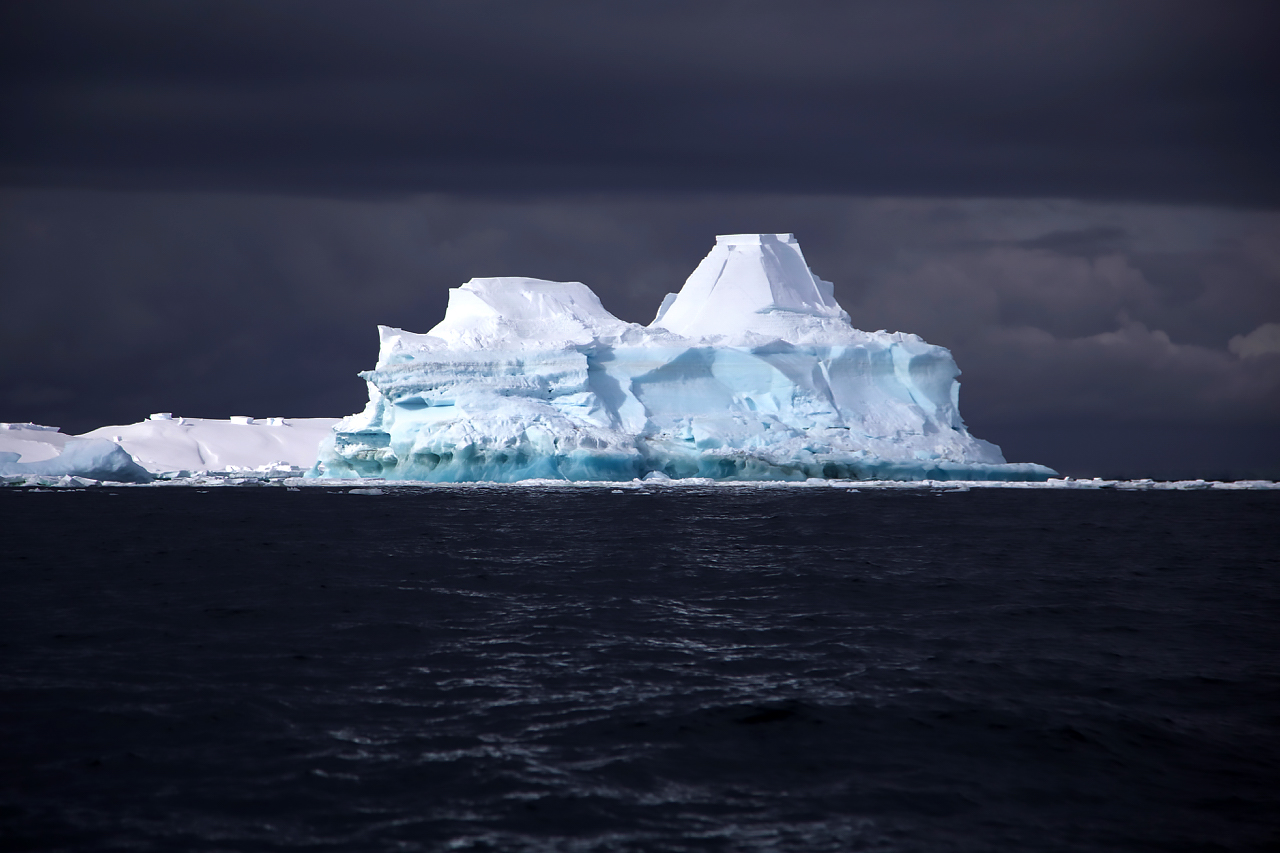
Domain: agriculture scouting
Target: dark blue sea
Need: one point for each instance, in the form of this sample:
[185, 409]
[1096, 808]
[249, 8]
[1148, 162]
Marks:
[525, 669]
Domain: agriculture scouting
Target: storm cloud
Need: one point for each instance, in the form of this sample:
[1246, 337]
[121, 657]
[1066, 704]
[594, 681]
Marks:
[208, 207]
[1116, 99]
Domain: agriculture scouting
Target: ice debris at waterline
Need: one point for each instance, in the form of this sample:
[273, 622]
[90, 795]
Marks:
[751, 372]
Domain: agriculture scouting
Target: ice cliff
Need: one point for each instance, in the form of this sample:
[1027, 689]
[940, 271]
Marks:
[751, 372]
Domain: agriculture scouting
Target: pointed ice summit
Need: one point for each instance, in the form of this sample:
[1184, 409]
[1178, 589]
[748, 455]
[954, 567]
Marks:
[751, 372]
[749, 283]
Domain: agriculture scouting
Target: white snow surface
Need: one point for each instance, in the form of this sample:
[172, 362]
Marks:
[165, 444]
[32, 442]
[754, 284]
[752, 371]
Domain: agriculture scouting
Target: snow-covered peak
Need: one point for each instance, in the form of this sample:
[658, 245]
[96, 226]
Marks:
[516, 298]
[751, 289]
[743, 286]
[512, 310]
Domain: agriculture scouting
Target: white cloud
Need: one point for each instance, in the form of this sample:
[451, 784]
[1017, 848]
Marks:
[1262, 340]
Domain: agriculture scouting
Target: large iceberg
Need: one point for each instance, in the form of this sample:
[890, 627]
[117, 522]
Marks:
[751, 372]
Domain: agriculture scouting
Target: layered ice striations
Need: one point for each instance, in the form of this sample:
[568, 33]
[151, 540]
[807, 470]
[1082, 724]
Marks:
[751, 372]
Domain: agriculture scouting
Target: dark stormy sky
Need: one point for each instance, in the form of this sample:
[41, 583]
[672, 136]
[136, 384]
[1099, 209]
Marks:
[205, 208]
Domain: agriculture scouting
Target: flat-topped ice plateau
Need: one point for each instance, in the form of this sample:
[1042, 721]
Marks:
[752, 372]
[163, 446]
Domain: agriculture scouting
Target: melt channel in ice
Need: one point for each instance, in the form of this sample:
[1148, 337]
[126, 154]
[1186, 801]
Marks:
[751, 372]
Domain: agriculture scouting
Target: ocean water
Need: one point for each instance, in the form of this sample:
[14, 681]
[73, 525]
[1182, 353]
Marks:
[529, 669]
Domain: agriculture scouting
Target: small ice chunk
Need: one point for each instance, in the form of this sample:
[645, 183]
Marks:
[161, 416]
[241, 419]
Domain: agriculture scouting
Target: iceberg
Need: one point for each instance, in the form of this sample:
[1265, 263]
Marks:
[752, 371]
[164, 447]
[32, 456]
[164, 444]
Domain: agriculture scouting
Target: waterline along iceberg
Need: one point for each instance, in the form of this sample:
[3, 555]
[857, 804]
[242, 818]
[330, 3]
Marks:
[751, 372]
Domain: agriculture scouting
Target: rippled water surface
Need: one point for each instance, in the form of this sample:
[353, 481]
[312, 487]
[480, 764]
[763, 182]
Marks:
[573, 670]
